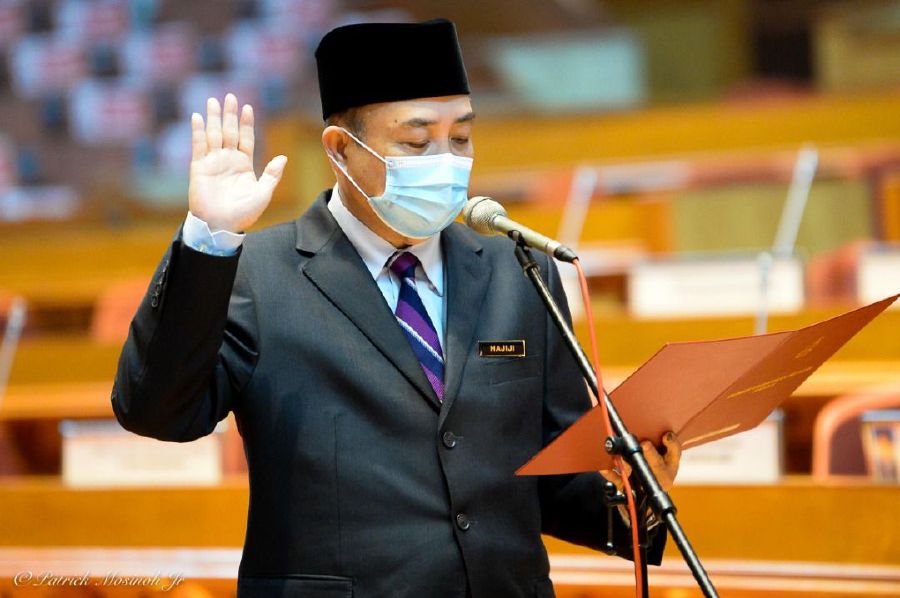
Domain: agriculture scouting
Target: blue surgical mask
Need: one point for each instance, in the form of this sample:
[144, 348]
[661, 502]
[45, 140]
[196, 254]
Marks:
[422, 194]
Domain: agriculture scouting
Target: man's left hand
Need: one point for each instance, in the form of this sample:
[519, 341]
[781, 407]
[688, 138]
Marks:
[665, 468]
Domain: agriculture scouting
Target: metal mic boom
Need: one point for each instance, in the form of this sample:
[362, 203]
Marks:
[487, 217]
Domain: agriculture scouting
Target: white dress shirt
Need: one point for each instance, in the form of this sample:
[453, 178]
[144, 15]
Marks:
[374, 251]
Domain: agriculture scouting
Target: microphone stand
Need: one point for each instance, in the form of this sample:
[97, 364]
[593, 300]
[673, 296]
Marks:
[622, 442]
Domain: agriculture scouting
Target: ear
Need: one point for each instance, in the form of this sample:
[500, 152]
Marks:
[334, 142]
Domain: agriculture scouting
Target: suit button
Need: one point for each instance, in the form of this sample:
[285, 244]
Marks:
[462, 522]
[449, 439]
[154, 301]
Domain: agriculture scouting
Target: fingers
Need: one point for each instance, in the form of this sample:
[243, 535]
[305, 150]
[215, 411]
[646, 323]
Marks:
[213, 125]
[664, 468]
[613, 477]
[230, 122]
[272, 174]
[198, 137]
[673, 452]
[657, 464]
[224, 129]
[622, 469]
[246, 139]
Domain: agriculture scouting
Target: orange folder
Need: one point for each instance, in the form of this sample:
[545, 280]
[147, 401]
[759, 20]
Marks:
[704, 391]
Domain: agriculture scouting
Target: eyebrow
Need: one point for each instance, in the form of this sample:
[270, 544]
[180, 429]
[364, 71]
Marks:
[427, 122]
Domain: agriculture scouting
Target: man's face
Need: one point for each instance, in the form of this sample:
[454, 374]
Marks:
[408, 128]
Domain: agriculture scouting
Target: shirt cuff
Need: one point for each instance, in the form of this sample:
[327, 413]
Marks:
[196, 234]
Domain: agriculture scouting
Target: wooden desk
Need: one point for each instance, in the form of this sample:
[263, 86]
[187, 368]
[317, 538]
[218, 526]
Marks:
[796, 538]
[63, 360]
[57, 401]
[72, 265]
[796, 520]
[42, 511]
[65, 263]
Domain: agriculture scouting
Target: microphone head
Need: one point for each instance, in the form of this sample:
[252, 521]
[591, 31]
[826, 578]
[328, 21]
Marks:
[480, 212]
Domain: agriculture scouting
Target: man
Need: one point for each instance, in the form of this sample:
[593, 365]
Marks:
[381, 445]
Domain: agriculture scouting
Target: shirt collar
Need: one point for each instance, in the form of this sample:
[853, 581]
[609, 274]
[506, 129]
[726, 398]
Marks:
[375, 251]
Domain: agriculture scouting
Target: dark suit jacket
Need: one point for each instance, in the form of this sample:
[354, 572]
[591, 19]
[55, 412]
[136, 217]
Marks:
[361, 482]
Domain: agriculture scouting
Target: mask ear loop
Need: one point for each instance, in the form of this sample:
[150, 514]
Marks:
[361, 143]
[347, 175]
[344, 170]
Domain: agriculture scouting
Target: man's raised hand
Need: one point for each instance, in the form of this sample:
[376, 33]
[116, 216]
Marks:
[223, 188]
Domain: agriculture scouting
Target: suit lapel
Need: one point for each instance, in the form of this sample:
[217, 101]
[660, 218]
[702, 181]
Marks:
[467, 281]
[336, 269]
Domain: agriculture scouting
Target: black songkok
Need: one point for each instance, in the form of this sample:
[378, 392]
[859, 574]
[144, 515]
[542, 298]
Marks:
[368, 63]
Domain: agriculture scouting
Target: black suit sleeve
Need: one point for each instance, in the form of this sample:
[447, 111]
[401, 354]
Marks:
[190, 349]
[573, 507]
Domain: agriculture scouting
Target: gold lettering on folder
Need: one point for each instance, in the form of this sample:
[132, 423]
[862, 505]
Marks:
[718, 432]
[769, 383]
[809, 349]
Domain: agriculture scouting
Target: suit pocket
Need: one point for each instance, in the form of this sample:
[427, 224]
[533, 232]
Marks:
[543, 588]
[509, 369]
[296, 586]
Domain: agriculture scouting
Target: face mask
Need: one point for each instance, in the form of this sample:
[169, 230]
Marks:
[422, 194]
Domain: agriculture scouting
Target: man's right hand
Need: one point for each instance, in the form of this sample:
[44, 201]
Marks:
[223, 189]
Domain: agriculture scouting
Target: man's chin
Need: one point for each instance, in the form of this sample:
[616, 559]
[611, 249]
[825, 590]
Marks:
[410, 241]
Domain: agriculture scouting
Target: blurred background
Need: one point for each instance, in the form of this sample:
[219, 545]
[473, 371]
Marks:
[724, 168]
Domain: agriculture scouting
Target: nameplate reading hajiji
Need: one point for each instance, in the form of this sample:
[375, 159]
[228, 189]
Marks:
[501, 348]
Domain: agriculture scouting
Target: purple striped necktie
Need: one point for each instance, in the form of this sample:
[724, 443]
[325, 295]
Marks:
[416, 324]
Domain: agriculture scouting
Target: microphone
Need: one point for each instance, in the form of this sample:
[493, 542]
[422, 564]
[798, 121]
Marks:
[487, 217]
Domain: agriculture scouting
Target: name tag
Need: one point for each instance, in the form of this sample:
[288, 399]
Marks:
[501, 348]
